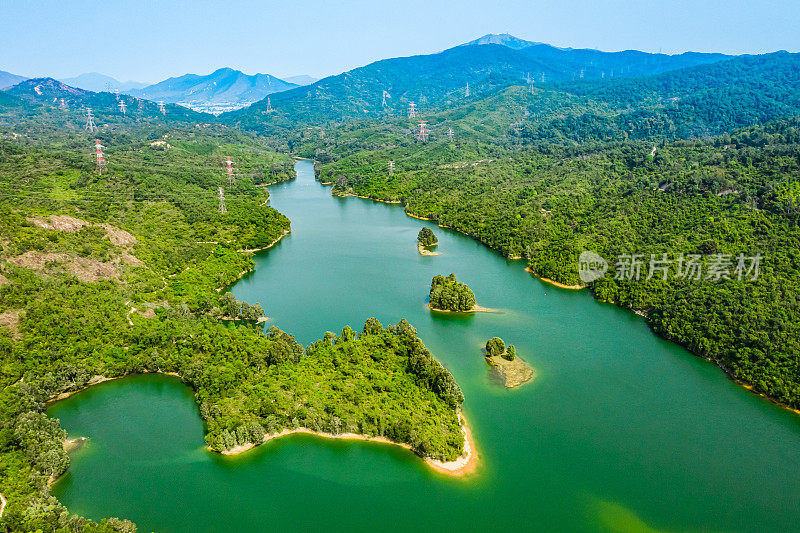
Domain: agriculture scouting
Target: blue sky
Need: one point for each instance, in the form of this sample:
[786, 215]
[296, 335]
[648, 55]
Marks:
[148, 41]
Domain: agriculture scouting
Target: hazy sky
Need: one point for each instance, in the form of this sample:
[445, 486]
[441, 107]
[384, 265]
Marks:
[148, 41]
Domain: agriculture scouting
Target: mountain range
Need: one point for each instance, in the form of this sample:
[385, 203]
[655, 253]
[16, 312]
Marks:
[224, 89]
[40, 95]
[94, 81]
[456, 75]
[7, 79]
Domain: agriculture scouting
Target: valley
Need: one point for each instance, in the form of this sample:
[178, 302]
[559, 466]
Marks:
[212, 316]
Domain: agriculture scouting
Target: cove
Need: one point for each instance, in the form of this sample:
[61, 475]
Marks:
[620, 431]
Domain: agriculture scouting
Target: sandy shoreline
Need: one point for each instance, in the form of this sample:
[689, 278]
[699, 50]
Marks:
[415, 216]
[345, 195]
[475, 309]
[557, 284]
[270, 245]
[71, 445]
[96, 380]
[463, 465]
[421, 249]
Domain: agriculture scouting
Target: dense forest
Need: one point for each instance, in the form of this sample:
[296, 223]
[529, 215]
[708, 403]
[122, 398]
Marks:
[105, 275]
[447, 294]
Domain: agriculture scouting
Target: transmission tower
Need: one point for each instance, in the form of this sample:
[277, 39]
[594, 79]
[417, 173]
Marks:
[229, 170]
[63, 104]
[385, 96]
[116, 93]
[450, 133]
[90, 125]
[391, 168]
[162, 107]
[222, 209]
[412, 110]
[466, 92]
[122, 106]
[269, 104]
[423, 131]
[101, 160]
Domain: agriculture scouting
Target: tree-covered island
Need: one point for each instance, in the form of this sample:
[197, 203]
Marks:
[447, 294]
[509, 368]
[426, 239]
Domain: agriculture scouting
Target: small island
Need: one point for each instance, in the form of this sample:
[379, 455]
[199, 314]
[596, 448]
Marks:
[447, 294]
[512, 370]
[426, 239]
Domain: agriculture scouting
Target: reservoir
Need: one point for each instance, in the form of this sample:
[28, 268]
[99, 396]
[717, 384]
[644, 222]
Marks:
[620, 431]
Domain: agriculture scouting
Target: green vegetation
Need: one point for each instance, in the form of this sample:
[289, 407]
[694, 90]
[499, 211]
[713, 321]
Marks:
[447, 294]
[510, 353]
[119, 273]
[426, 237]
[495, 346]
[233, 308]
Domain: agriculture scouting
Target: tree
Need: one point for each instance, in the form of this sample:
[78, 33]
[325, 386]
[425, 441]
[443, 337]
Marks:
[372, 327]
[511, 353]
[230, 305]
[251, 312]
[426, 237]
[495, 346]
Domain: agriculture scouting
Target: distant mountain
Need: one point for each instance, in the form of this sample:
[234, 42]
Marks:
[222, 90]
[503, 39]
[587, 63]
[440, 80]
[7, 79]
[93, 81]
[48, 94]
[303, 79]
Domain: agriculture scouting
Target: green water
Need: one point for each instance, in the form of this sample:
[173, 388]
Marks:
[621, 430]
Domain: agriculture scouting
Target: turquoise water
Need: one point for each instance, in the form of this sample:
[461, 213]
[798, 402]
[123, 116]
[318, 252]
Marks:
[621, 430]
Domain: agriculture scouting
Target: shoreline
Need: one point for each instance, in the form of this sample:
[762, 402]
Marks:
[252, 251]
[422, 251]
[475, 309]
[98, 379]
[270, 245]
[3, 503]
[555, 283]
[465, 464]
[345, 195]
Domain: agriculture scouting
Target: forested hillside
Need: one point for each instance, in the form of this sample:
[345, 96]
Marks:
[734, 194]
[105, 275]
[438, 81]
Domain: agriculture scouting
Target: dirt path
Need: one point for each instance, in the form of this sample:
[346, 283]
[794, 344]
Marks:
[3, 503]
